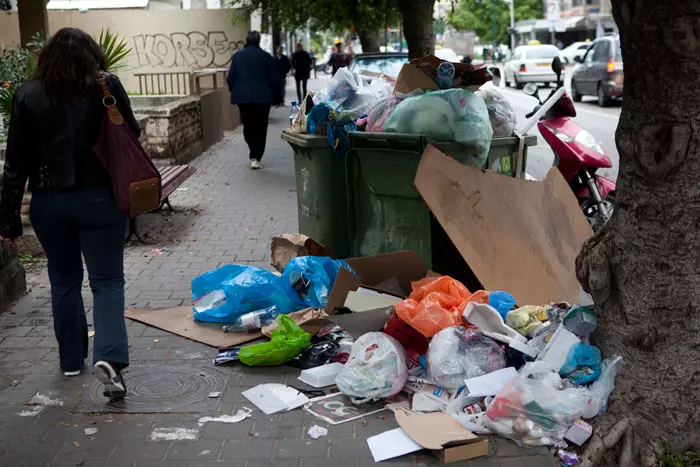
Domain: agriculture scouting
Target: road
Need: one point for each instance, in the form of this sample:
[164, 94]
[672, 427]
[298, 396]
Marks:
[600, 122]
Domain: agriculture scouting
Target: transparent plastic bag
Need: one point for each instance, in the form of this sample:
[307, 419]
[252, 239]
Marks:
[477, 423]
[449, 115]
[380, 112]
[600, 390]
[309, 279]
[457, 353]
[375, 370]
[227, 293]
[287, 341]
[501, 112]
[537, 407]
[348, 93]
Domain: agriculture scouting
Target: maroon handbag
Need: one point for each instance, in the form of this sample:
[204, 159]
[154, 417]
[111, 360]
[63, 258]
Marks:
[135, 179]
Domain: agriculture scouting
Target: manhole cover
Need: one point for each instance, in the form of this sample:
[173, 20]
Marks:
[160, 389]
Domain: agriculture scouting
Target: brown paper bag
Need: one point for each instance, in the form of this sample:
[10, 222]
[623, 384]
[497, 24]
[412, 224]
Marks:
[310, 320]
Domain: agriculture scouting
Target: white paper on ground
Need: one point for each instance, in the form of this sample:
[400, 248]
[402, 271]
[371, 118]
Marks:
[423, 402]
[490, 384]
[391, 444]
[272, 397]
[315, 432]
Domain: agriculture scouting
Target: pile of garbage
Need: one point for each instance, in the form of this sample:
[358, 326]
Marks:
[446, 101]
[378, 336]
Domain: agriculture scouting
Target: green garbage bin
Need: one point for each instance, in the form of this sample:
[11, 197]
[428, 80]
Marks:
[321, 191]
[386, 213]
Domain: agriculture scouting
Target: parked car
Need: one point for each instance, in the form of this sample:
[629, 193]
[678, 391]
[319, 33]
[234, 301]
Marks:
[375, 64]
[577, 49]
[600, 72]
[531, 64]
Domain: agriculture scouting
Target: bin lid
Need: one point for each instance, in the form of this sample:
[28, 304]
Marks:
[304, 140]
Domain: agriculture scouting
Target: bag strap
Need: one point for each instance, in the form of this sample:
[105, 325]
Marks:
[109, 101]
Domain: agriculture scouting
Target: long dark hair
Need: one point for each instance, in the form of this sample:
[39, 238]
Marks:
[69, 63]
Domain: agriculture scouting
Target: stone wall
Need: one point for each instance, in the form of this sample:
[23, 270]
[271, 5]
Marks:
[174, 129]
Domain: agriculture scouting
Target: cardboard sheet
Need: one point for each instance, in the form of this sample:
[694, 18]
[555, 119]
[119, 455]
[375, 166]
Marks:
[516, 235]
[179, 321]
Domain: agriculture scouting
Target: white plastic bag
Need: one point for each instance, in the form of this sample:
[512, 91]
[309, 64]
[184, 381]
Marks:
[477, 423]
[450, 115]
[456, 354]
[603, 387]
[347, 93]
[501, 113]
[375, 370]
[537, 407]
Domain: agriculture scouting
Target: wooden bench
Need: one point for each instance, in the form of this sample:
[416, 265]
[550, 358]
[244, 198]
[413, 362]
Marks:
[172, 176]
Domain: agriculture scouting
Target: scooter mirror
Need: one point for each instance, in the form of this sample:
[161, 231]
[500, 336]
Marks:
[556, 67]
[530, 89]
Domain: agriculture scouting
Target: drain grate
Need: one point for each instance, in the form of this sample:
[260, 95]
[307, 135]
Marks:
[160, 389]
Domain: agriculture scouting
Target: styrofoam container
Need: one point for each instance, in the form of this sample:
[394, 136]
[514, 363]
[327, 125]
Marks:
[321, 376]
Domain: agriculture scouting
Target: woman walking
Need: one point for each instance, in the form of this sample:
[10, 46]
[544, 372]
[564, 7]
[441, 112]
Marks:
[55, 122]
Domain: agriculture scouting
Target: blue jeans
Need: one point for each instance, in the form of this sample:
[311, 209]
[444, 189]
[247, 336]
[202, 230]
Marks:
[87, 221]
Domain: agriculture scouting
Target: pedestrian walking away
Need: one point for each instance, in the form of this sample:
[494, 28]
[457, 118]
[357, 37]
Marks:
[301, 62]
[55, 122]
[284, 66]
[254, 83]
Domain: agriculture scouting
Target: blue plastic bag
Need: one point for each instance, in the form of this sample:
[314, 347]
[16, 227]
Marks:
[503, 302]
[308, 280]
[582, 364]
[223, 295]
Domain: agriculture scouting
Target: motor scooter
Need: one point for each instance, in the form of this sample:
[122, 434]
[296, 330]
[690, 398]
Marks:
[577, 154]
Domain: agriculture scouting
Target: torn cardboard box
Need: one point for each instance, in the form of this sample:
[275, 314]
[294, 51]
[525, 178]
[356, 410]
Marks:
[310, 320]
[515, 235]
[442, 435]
[286, 247]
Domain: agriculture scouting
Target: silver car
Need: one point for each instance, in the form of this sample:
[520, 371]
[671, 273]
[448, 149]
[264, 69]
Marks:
[531, 64]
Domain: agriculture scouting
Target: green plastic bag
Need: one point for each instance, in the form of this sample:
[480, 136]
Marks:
[287, 341]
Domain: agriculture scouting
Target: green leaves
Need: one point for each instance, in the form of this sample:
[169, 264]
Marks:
[6, 104]
[476, 15]
[115, 48]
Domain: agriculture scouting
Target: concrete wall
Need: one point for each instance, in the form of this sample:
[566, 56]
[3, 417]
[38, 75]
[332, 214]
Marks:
[162, 41]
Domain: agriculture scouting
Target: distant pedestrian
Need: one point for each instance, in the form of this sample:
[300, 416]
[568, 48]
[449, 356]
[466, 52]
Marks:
[254, 82]
[284, 67]
[56, 120]
[301, 62]
[339, 59]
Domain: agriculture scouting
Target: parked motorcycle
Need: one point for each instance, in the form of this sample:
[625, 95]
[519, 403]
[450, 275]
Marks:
[577, 153]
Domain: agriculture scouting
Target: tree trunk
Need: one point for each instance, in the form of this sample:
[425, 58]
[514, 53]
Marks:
[643, 268]
[369, 40]
[418, 26]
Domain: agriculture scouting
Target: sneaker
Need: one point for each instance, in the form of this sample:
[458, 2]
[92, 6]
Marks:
[71, 373]
[111, 378]
[254, 164]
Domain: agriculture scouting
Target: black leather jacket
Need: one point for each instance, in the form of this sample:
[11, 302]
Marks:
[50, 143]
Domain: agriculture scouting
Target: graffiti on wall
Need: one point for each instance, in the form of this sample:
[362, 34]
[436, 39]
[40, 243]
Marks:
[185, 50]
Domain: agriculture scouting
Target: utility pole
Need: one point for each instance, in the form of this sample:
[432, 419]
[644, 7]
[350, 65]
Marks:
[511, 3]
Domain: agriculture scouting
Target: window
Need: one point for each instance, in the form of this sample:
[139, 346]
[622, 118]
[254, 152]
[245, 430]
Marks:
[584, 47]
[542, 53]
[602, 51]
[618, 50]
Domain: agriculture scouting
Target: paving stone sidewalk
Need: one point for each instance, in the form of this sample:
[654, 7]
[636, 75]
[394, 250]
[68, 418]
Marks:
[231, 214]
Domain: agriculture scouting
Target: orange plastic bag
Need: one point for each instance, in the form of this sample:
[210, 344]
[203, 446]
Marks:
[433, 305]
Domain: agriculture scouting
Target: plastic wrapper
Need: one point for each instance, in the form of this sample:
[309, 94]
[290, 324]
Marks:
[477, 423]
[433, 305]
[325, 345]
[582, 364]
[600, 390]
[501, 112]
[309, 279]
[348, 94]
[526, 319]
[375, 370]
[227, 293]
[457, 353]
[449, 115]
[503, 302]
[378, 114]
[287, 341]
[537, 407]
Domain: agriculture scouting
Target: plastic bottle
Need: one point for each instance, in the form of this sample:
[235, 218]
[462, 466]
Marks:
[293, 112]
[254, 320]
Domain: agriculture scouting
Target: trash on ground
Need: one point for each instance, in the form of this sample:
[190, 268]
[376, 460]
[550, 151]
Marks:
[272, 398]
[239, 416]
[174, 434]
[321, 376]
[226, 356]
[287, 246]
[579, 433]
[567, 457]
[286, 343]
[337, 408]
[315, 431]
[90, 431]
[214, 395]
[391, 444]
[491, 383]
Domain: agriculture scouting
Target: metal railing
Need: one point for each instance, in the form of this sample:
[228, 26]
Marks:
[181, 83]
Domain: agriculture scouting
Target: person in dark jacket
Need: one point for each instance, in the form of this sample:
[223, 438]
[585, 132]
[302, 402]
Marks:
[284, 66]
[254, 82]
[55, 122]
[301, 62]
[339, 59]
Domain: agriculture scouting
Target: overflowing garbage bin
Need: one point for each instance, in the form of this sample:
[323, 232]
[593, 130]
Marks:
[321, 191]
[386, 212]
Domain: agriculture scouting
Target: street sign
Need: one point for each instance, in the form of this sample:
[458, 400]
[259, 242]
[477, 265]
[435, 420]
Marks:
[553, 10]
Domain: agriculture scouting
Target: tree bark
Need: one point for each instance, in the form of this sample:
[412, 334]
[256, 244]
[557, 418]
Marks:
[643, 268]
[418, 26]
[369, 40]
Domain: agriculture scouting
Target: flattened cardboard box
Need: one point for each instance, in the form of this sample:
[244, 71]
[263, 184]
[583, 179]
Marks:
[443, 436]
